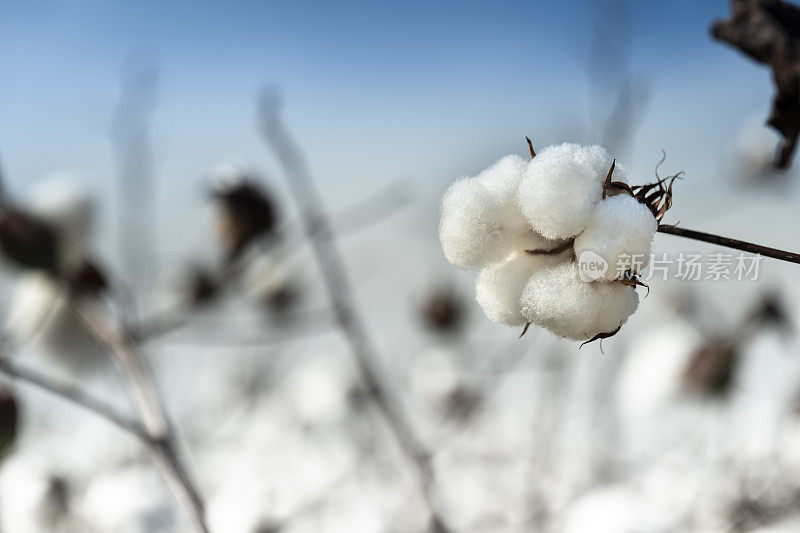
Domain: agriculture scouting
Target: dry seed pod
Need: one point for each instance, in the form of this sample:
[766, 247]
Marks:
[88, 279]
[442, 310]
[772, 312]
[28, 242]
[462, 402]
[9, 418]
[712, 367]
[247, 213]
[768, 31]
[201, 287]
[57, 500]
[282, 298]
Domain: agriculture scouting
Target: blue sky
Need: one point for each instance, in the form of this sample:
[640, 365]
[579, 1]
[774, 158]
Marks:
[374, 90]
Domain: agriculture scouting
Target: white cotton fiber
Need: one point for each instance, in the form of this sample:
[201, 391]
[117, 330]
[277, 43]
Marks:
[562, 185]
[557, 299]
[499, 287]
[470, 229]
[620, 231]
[481, 222]
[502, 180]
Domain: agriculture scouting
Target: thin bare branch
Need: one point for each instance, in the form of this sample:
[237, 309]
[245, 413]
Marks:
[160, 448]
[149, 404]
[74, 395]
[340, 292]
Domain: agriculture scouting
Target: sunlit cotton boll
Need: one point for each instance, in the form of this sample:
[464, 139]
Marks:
[481, 222]
[502, 180]
[318, 390]
[620, 231]
[39, 311]
[130, 500]
[41, 318]
[28, 503]
[561, 187]
[40, 315]
[614, 509]
[499, 287]
[433, 375]
[558, 300]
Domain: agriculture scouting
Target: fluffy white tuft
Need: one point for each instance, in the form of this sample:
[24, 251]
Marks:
[499, 287]
[481, 222]
[557, 299]
[502, 180]
[620, 231]
[562, 185]
[229, 172]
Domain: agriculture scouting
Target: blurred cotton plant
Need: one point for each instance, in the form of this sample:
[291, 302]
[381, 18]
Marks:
[40, 313]
[246, 211]
[528, 226]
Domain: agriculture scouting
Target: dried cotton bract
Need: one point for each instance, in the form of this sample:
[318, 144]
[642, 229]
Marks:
[526, 224]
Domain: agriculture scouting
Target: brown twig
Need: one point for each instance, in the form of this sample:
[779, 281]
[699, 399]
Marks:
[340, 292]
[730, 243]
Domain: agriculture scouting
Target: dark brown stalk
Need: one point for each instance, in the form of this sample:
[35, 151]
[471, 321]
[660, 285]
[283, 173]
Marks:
[730, 243]
[320, 233]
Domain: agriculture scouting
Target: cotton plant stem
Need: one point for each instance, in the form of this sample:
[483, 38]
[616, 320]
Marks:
[331, 264]
[74, 395]
[730, 243]
[132, 367]
[157, 448]
[149, 405]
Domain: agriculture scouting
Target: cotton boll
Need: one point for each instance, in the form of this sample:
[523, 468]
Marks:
[499, 287]
[620, 231]
[230, 172]
[481, 221]
[615, 509]
[433, 375]
[502, 180]
[652, 373]
[129, 500]
[41, 317]
[33, 498]
[318, 390]
[471, 230]
[557, 299]
[562, 185]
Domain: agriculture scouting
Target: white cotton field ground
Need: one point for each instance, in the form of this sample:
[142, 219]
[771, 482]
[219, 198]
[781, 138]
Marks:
[527, 434]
